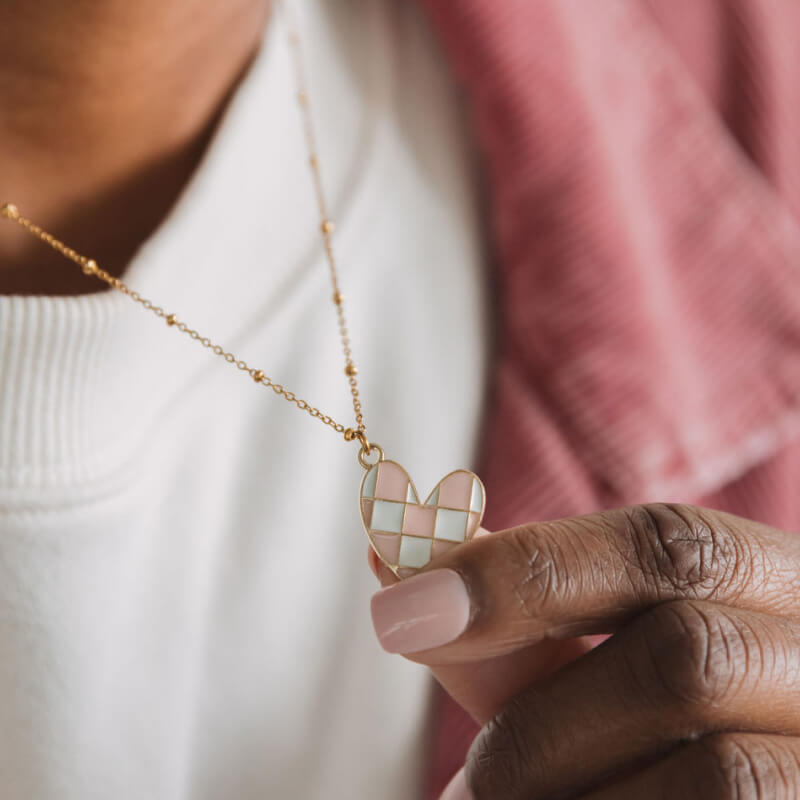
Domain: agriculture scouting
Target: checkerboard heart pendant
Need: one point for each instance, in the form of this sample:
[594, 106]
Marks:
[407, 534]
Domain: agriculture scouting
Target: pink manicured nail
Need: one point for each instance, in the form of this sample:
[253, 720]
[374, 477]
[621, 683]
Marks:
[457, 788]
[422, 612]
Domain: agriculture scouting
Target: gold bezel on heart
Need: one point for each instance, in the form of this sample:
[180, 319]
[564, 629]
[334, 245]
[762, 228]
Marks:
[406, 534]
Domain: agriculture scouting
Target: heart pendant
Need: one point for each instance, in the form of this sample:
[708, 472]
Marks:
[407, 534]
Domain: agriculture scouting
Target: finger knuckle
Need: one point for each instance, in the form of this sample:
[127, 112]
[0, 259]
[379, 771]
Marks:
[746, 768]
[698, 656]
[501, 759]
[679, 552]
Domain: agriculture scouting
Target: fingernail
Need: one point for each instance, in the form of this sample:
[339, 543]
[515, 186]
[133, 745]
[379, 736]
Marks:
[422, 612]
[457, 789]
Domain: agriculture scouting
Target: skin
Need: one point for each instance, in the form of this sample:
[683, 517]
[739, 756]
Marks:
[105, 110]
[696, 695]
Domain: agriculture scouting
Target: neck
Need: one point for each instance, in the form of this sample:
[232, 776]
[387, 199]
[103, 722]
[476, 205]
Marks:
[106, 107]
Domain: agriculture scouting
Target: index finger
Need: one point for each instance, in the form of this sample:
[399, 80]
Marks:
[589, 575]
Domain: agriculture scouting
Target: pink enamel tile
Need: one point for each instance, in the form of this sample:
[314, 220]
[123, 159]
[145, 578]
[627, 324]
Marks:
[419, 520]
[456, 490]
[366, 511]
[392, 482]
[440, 547]
[388, 546]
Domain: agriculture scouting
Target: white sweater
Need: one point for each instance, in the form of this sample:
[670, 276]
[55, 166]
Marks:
[183, 579]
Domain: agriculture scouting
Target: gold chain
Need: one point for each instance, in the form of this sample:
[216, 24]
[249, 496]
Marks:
[327, 227]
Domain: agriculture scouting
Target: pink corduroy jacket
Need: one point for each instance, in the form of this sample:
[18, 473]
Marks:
[642, 164]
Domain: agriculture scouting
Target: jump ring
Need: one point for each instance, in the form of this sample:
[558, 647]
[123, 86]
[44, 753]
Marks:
[363, 453]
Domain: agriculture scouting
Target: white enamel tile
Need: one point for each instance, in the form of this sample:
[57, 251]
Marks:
[476, 501]
[434, 498]
[451, 525]
[387, 516]
[414, 552]
[369, 483]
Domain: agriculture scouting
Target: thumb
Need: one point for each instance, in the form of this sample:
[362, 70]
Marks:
[482, 687]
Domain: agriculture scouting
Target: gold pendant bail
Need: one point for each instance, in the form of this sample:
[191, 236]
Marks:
[367, 447]
[351, 434]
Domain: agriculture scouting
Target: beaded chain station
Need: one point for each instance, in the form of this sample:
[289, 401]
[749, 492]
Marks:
[91, 268]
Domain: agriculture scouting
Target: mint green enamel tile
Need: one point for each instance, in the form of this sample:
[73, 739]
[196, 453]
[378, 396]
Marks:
[414, 552]
[369, 482]
[451, 525]
[476, 501]
[387, 516]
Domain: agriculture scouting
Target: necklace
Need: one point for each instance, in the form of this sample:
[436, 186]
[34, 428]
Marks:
[405, 533]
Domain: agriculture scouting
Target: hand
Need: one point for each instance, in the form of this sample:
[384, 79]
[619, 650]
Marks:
[697, 695]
